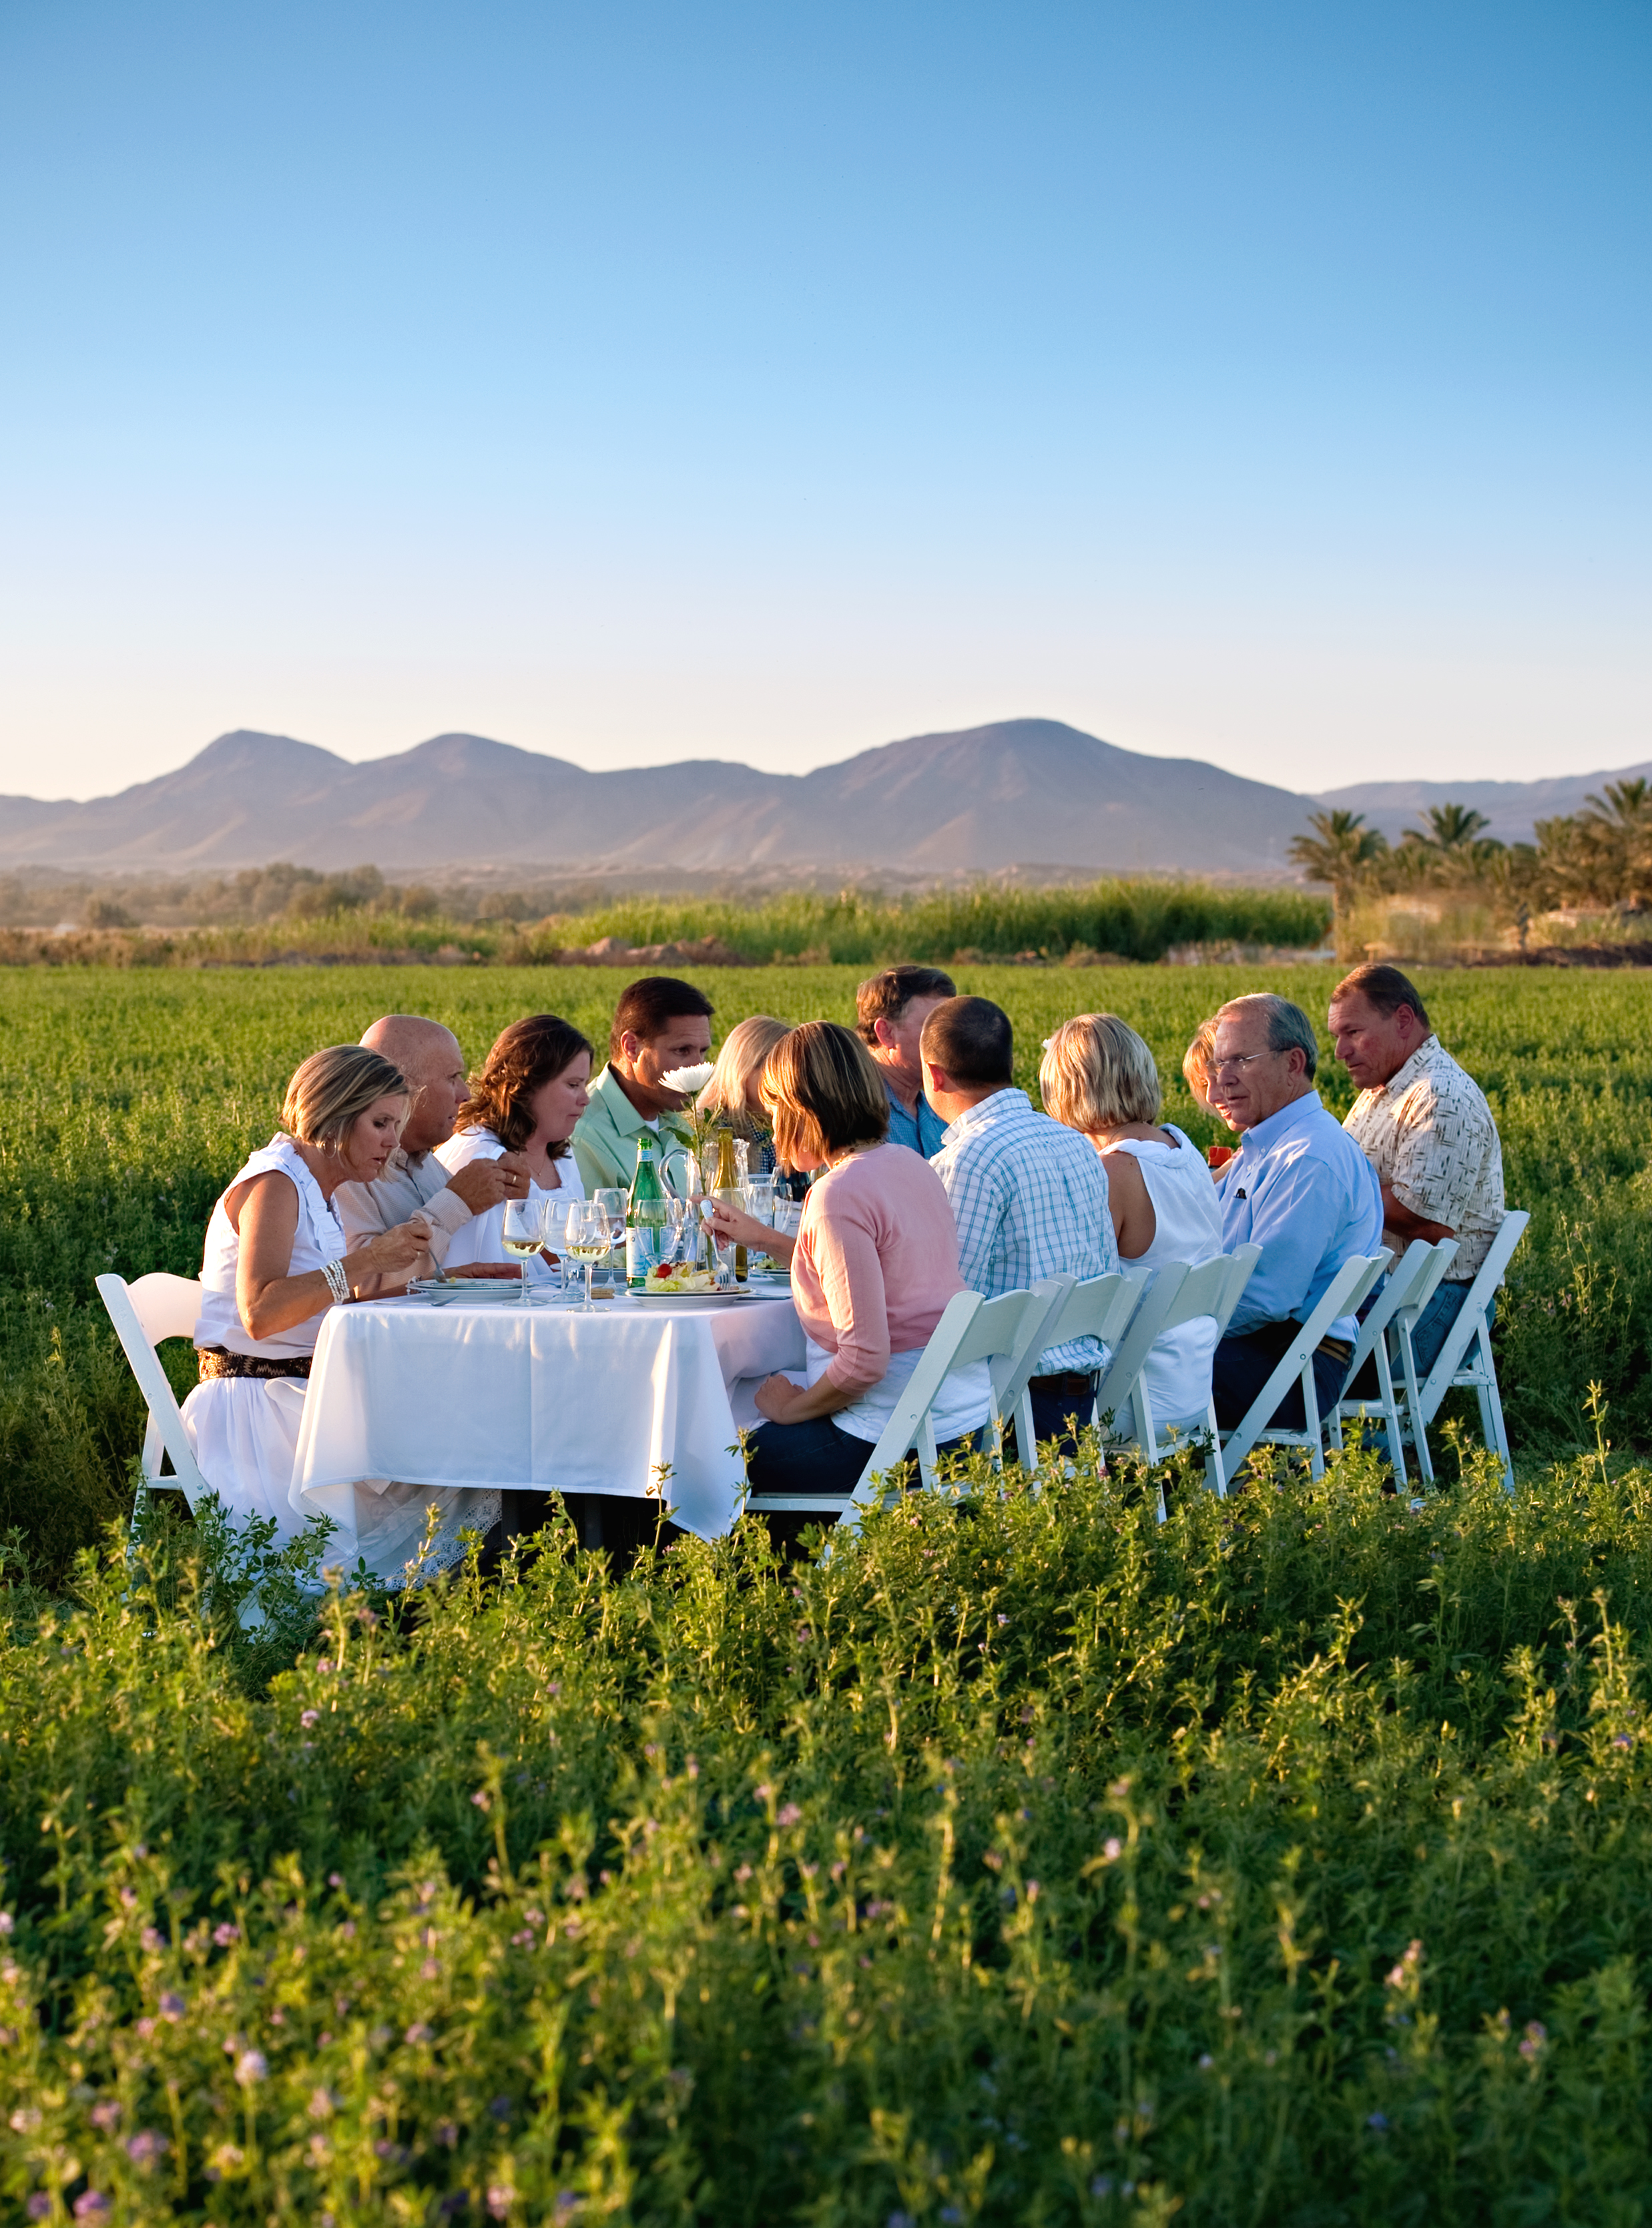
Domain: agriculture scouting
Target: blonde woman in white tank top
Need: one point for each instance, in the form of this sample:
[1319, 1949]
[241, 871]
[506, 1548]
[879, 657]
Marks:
[1099, 1076]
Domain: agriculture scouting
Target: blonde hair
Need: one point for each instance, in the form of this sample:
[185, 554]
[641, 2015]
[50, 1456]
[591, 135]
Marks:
[820, 1079]
[331, 1089]
[745, 1048]
[1096, 1072]
[1199, 1066]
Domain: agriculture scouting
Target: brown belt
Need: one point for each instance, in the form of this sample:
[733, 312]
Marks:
[219, 1361]
[1072, 1384]
[1338, 1349]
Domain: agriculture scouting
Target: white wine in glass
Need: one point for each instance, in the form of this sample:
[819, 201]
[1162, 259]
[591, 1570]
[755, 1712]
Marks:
[589, 1237]
[523, 1234]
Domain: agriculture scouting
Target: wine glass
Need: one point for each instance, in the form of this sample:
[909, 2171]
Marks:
[677, 1214]
[589, 1234]
[722, 1254]
[523, 1234]
[558, 1207]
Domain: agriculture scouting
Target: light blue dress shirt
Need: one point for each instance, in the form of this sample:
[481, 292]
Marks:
[923, 1131]
[1300, 1188]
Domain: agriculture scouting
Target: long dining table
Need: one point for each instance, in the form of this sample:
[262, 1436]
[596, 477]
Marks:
[468, 1396]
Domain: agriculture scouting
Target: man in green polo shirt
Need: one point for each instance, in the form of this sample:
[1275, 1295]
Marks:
[660, 1025]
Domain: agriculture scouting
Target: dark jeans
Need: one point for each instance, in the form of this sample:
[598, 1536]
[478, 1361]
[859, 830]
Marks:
[1244, 1365]
[1055, 1400]
[619, 1524]
[813, 1457]
[1428, 1337]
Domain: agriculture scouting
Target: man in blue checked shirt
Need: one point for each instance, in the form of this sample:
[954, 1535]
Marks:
[1028, 1195]
[1300, 1188]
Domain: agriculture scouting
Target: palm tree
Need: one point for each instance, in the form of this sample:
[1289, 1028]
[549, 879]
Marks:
[1625, 804]
[1451, 828]
[1337, 852]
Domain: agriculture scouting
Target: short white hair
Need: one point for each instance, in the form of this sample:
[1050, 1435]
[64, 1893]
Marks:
[1289, 1027]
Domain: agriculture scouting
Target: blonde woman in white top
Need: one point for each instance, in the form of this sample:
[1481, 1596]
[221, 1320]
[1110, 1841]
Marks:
[1099, 1076]
[276, 1259]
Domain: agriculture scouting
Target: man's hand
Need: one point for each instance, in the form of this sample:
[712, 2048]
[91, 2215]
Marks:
[482, 1184]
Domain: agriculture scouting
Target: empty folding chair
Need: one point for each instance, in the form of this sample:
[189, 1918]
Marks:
[1465, 1358]
[999, 1332]
[1341, 1296]
[155, 1308]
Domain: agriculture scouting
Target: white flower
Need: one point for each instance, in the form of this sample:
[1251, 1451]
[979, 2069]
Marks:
[688, 1081]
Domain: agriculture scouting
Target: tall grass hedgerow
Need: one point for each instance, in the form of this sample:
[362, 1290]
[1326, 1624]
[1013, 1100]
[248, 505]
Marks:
[1023, 1861]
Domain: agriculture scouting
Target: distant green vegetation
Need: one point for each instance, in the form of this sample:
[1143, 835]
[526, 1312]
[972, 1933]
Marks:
[129, 1099]
[343, 916]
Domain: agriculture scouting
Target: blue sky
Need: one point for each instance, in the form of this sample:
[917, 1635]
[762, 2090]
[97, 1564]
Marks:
[1263, 383]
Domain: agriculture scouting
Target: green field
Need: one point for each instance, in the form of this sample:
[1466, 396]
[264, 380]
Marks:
[132, 1097]
[1025, 1862]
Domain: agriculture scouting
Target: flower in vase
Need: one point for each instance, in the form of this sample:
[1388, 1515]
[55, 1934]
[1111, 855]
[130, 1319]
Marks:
[690, 1081]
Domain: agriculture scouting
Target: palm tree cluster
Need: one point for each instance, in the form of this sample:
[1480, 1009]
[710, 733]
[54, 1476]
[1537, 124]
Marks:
[1599, 859]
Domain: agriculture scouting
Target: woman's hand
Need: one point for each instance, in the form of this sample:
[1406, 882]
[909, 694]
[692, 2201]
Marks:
[731, 1225]
[776, 1397]
[391, 1253]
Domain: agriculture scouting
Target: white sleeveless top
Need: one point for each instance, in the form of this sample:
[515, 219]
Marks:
[483, 1237]
[319, 1238]
[1188, 1219]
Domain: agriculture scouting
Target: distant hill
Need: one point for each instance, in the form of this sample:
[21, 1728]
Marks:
[1511, 807]
[1020, 791]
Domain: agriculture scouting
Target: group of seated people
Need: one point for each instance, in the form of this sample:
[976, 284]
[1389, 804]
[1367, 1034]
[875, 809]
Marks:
[928, 1173]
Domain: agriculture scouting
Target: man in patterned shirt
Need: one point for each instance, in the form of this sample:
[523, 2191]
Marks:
[1029, 1196]
[1426, 1128]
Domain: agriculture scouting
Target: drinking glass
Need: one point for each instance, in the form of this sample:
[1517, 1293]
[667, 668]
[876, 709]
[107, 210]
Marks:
[722, 1255]
[758, 1194]
[523, 1234]
[557, 1210]
[678, 1213]
[612, 1203]
[589, 1234]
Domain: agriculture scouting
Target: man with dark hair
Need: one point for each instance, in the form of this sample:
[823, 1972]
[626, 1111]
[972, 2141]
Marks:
[890, 1010]
[1029, 1196]
[1300, 1188]
[660, 1025]
[1424, 1126]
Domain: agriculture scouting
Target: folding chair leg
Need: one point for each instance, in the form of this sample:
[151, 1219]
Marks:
[1491, 1409]
[1026, 1445]
[1414, 1408]
[1311, 1418]
[1390, 1411]
[926, 1454]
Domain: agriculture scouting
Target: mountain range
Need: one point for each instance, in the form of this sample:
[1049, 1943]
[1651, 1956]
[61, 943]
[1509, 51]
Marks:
[1017, 792]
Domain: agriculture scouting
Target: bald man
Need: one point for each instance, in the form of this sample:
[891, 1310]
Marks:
[414, 1182]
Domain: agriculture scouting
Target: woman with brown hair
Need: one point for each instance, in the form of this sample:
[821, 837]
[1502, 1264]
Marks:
[276, 1259]
[876, 1261]
[532, 1090]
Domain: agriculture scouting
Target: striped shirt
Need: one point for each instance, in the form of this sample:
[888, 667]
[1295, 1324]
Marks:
[1030, 1200]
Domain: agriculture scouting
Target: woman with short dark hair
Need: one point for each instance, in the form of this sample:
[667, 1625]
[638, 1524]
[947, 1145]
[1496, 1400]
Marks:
[531, 1091]
[876, 1261]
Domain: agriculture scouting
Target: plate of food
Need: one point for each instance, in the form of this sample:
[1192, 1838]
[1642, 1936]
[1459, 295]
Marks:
[674, 1280]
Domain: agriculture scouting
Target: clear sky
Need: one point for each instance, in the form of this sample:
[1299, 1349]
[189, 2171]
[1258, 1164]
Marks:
[1262, 382]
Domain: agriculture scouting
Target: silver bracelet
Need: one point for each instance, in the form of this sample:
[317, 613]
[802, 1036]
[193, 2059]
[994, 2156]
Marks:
[337, 1283]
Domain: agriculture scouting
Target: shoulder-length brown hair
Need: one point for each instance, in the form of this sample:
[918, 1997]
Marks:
[527, 1054]
[823, 1088]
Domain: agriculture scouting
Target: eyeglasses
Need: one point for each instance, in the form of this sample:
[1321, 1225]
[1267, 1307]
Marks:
[1239, 1060]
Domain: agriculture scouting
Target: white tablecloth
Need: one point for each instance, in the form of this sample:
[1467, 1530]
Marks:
[481, 1396]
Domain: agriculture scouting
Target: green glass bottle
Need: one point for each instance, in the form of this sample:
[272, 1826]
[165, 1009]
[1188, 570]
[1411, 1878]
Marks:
[646, 1217]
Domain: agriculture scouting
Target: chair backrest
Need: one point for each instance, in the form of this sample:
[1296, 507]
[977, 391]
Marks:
[1163, 1289]
[1341, 1297]
[1008, 1332]
[1415, 1268]
[1213, 1289]
[166, 1428]
[1488, 1276]
[167, 1306]
[1241, 1267]
[1100, 1308]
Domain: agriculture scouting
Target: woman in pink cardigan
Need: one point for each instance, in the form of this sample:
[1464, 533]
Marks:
[876, 1262]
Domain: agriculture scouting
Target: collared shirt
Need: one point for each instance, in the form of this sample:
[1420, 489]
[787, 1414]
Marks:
[605, 1138]
[1429, 1133]
[1300, 1188]
[1030, 1200]
[923, 1130]
[413, 1183]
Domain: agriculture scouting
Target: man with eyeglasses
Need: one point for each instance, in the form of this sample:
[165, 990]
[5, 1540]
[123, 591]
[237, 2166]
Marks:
[1300, 1188]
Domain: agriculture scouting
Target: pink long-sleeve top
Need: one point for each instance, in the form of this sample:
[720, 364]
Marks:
[876, 1262]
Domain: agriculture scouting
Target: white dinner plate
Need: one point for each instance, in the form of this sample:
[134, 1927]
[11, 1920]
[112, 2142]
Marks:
[486, 1291]
[745, 1293]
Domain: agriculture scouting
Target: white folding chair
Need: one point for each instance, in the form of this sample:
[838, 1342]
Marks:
[157, 1306]
[1214, 1289]
[999, 1332]
[1100, 1308]
[1410, 1286]
[1341, 1296]
[1465, 1358]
